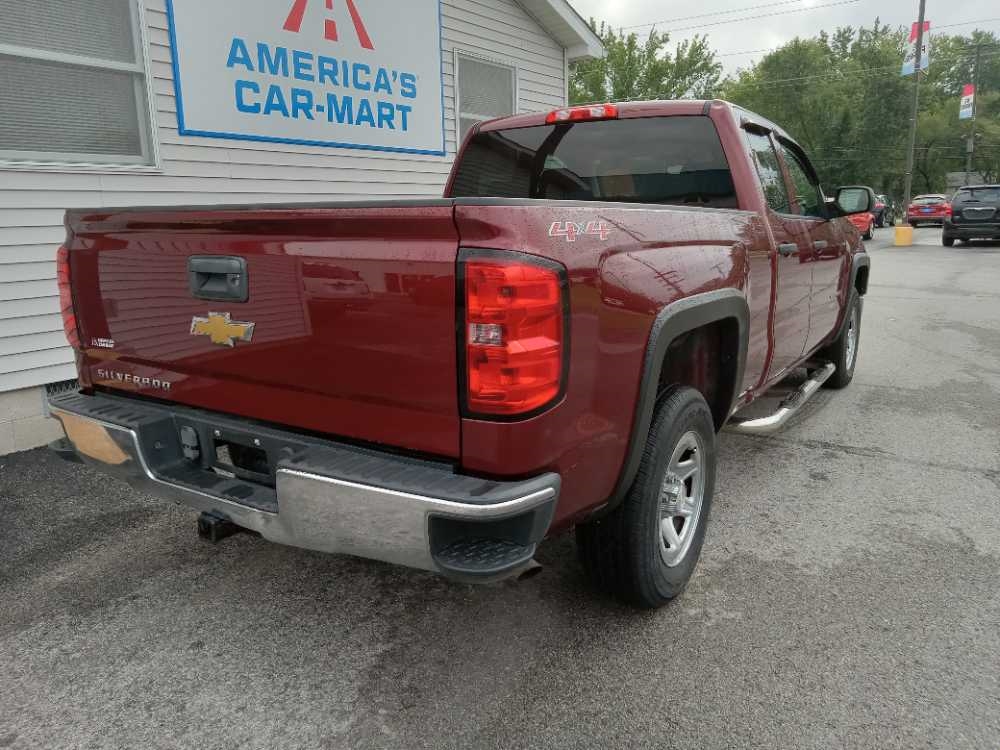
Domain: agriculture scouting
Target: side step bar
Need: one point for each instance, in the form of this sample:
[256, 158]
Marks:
[788, 407]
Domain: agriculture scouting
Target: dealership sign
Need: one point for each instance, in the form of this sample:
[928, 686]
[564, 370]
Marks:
[340, 73]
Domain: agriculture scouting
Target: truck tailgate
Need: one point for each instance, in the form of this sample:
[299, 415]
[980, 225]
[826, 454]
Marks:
[352, 311]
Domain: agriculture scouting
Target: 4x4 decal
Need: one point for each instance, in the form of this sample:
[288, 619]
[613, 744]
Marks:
[572, 229]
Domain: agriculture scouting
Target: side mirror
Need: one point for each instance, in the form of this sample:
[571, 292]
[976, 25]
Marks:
[854, 200]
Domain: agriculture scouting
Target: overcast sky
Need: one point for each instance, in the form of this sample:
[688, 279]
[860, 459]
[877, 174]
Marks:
[763, 31]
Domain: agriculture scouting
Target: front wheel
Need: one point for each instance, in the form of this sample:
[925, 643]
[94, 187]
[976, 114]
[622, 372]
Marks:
[645, 550]
[843, 352]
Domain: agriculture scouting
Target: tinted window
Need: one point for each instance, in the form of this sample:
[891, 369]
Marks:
[925, 200]
[769, 171]
[983, 194]
[807, 194]
[677, 160]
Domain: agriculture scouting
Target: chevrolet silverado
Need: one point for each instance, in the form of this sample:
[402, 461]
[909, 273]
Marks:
[441, 383]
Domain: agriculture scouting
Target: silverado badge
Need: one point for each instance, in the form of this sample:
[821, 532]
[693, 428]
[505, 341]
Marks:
[221, 330]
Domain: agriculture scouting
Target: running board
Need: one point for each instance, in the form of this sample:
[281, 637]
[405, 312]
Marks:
[787, 408]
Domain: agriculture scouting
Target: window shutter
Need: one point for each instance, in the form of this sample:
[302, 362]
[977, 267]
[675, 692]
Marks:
[73, 83]
[485, 90]
[91, 28]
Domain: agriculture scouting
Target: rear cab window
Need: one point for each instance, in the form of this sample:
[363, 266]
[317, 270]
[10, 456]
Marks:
[675, 160]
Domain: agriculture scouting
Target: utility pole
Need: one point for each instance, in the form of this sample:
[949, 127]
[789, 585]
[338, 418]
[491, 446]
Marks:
[908, 179]
[971, 147]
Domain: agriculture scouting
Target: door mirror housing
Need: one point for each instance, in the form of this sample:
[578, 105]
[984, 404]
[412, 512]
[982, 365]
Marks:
[854, 200]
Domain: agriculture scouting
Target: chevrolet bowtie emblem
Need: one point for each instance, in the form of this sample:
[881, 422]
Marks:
[221, 330]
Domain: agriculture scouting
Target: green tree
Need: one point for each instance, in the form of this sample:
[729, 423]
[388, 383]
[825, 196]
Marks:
[644, 69]
[842, 96]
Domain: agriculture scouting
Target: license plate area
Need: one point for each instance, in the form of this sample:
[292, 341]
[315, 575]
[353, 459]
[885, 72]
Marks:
[240, 460]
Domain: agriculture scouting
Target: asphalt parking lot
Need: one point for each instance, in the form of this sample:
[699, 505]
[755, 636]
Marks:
[847, 596]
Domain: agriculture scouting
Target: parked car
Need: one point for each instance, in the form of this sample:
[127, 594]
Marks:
[975, 215]
[928, 209]
[884, 212]
[865, 223]
[624, 279]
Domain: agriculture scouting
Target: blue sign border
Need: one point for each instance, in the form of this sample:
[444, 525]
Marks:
[183, 130]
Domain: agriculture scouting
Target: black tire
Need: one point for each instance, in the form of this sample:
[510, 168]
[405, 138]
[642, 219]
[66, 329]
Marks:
[913, 224]
[623, 553]
[839, 351]
[947, 241]
[869, 233]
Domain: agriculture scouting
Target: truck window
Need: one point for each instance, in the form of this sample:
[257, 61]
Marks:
[769, 171]
[807, 194]
[674, 160]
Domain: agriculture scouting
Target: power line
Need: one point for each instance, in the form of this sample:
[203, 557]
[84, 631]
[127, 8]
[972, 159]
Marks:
[966, 23]
[774, 49]
[762, 15]
[846, 74]
[717, 13]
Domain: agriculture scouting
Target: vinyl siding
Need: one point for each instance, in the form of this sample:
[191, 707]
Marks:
[200, 170]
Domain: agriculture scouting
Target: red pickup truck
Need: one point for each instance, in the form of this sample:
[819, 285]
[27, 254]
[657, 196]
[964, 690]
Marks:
[442, 383]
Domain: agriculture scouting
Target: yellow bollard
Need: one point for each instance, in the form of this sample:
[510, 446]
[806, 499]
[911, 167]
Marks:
[904, 236]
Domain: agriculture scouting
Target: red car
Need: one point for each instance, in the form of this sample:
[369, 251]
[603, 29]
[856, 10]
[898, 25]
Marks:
[928, 209]
[441, 383]
[865, 224]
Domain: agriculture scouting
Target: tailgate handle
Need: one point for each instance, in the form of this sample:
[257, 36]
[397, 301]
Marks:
[218, 277]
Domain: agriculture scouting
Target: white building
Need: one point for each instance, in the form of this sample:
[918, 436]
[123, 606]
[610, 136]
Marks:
[145, 102]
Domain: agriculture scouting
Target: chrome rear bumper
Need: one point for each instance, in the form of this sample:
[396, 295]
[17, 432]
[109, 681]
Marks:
[455, 524]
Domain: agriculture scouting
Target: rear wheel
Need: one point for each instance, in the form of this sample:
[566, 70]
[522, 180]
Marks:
[645, 550]
[843, 352]
[870, 232]
[947, 241]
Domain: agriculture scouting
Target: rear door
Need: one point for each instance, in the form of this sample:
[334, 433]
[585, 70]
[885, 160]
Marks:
[794, 272]
[821, 242]
[347, 326]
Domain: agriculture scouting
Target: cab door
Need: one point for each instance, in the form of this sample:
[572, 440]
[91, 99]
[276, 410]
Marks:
[822, 242]
[791, 255]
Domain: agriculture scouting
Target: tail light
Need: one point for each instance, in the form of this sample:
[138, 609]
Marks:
[515, 333]
[947, 209]
[66, 298]
[579, 114]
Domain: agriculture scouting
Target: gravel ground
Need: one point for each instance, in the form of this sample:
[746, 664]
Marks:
[847, 595]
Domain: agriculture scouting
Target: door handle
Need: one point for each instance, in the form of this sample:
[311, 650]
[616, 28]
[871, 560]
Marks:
[788, 248]
[222, 278]
[821, 244]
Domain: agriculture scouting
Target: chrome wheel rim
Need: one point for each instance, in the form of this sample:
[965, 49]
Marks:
[852, 339]
[682, 494]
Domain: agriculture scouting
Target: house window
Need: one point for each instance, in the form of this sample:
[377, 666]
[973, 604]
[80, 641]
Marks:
[486, 89]
[73, 83]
